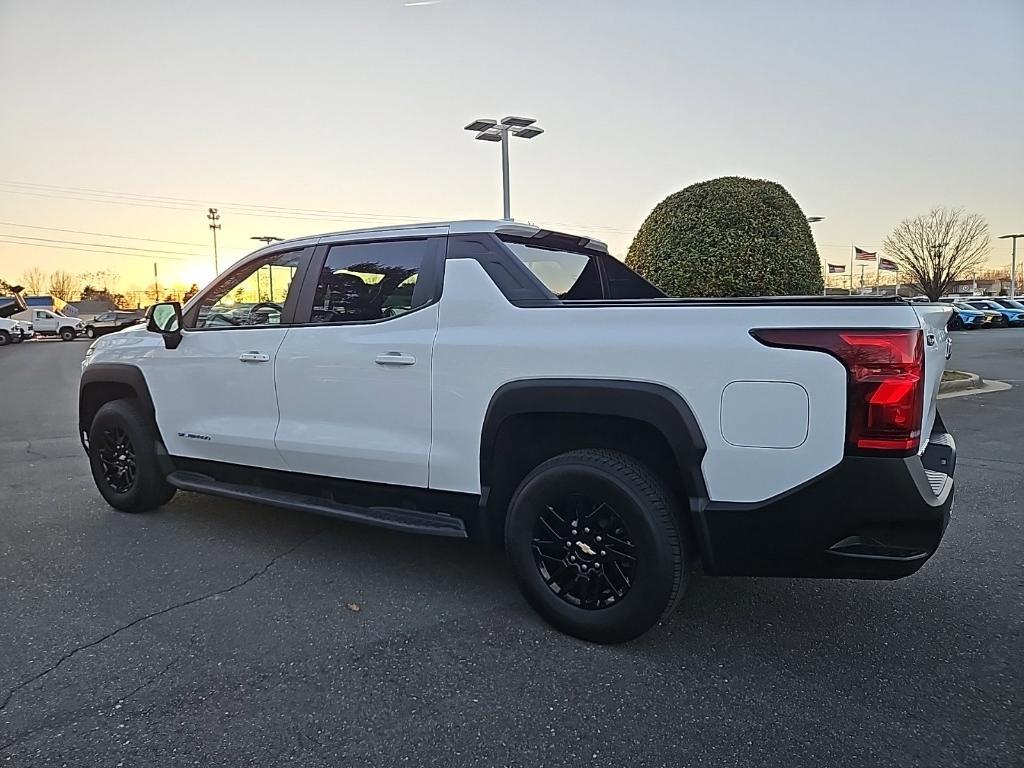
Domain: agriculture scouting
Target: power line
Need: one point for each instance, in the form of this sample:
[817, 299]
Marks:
[87, 194]
[88, 250]
[100, 245]
[99, 234]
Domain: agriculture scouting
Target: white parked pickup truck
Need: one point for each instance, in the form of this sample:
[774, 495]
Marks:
[518, 385]
[48, 323]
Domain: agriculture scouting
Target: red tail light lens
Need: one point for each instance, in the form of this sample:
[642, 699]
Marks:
[885, 396]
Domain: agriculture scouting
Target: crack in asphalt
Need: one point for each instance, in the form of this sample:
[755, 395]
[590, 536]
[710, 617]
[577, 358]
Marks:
[78, 649]
[167, 668]
[119, 701]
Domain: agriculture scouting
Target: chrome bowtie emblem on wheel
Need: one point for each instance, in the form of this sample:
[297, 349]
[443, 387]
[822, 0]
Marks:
[585, 549]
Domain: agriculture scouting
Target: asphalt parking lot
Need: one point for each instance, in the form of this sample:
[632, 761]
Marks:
[216, 633]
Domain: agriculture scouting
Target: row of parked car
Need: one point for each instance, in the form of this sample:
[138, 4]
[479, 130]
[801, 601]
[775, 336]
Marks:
[975, 312]
[18, 323]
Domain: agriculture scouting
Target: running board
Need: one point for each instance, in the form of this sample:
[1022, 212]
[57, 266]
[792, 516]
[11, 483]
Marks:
[407, 520]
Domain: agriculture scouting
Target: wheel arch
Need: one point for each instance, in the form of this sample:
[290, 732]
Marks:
[103, 382]
[533, 419]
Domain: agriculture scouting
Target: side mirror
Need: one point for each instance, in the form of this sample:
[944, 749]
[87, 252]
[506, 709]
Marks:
[165, 319]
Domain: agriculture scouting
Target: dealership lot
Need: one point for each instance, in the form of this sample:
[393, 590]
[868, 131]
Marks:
[212, 632]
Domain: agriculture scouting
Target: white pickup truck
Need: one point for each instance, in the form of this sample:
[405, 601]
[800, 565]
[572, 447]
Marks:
[13, 331]
[49, 323]
[518, 385]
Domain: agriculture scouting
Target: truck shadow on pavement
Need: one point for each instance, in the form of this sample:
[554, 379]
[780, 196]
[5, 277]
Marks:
[460, 580]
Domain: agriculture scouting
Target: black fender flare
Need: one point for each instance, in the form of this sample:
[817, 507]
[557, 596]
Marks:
[100, 374]
[662, 408]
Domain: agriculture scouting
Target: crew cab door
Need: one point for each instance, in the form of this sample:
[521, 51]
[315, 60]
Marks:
[214, 394]
[44, 321]
[353, 382]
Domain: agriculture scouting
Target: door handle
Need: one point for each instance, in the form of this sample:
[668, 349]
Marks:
[254, 357]
[395, 358]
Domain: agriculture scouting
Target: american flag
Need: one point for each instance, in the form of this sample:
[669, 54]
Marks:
[887, 264]
[834, 268]
[861, 255]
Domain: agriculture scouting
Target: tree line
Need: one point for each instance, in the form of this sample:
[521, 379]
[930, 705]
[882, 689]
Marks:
[93, 286]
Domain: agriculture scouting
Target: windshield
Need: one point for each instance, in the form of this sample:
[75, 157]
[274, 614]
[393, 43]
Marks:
[1011, 303]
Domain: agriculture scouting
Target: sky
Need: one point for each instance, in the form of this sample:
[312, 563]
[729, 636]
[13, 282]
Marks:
[866, 112]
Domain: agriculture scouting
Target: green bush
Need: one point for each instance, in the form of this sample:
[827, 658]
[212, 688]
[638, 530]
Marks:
[728, 237]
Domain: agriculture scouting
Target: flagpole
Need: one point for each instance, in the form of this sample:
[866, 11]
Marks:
[853, 249]
[877, 270]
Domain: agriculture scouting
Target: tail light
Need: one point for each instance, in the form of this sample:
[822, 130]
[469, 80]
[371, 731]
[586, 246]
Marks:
[885, 394]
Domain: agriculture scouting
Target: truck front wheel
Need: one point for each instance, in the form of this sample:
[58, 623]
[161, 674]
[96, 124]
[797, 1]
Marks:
[595, 545]
[67, 334]
[5, 338]
[122, 456]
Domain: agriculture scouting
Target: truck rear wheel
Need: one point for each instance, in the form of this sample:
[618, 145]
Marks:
[122, 456]
[67, 334]
[595, 545]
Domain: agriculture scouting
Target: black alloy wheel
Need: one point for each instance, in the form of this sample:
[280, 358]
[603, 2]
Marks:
[597, 544]
[123, 444]
[583, 551]
[117, 455]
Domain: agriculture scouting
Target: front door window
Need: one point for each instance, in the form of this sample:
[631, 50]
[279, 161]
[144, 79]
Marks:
[253, 294]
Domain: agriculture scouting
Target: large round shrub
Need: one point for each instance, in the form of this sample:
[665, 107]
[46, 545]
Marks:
[728, 237]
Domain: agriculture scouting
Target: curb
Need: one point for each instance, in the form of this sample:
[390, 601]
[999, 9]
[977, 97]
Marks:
[973, 381]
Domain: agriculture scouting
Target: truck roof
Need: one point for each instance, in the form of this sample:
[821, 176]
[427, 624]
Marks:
[460, 227]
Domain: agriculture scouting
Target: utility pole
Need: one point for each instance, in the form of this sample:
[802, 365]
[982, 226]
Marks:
[1013, 263]
[267, 240]
[214, 218]
[156, 285]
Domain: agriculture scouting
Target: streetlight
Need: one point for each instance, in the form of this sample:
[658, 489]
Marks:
[491, 130]
[214, 218]
[1013, 264]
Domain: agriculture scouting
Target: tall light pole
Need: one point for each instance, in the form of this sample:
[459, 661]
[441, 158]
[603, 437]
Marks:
[1013, 263]
[491, 130]
[214, 218]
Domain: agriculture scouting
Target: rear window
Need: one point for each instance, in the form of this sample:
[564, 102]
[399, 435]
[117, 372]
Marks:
[574, 273]
[567, 274]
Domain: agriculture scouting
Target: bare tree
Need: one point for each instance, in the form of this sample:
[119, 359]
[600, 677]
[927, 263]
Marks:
[35, 281]
[937, 248]
[64, 285]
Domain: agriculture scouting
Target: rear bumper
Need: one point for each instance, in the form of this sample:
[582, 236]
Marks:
[866, 518]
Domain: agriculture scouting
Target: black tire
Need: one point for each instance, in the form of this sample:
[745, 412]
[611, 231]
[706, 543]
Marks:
[90, 332]
[67, 334]
[633, 510]
[122, 456]
[18, 339]
[5, 338]
[956, 323]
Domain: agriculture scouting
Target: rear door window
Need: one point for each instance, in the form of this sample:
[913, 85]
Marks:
[362, 282]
